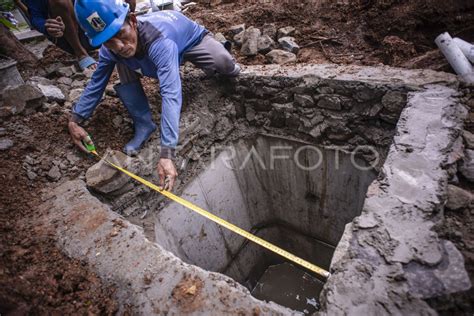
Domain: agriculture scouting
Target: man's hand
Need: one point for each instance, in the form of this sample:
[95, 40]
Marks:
[167, 172]
[79, 134]
[55, 27]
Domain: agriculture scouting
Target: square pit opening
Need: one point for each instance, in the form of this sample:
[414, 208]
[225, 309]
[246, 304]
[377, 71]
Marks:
[290, 193]
[305, 211]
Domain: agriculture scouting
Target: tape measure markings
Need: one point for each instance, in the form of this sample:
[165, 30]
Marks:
[308, 265]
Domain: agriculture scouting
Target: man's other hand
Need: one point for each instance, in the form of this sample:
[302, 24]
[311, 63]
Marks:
[167, 173]
[55, 27]
[79, 134]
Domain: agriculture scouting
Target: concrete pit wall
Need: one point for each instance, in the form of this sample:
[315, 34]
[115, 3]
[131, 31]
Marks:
[270, 197]
[389, 260]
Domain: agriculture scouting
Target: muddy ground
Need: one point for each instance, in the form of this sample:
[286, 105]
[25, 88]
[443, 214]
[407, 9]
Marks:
[36, 278]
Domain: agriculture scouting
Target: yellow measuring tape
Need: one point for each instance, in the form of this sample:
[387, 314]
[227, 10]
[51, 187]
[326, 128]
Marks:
[224, 223]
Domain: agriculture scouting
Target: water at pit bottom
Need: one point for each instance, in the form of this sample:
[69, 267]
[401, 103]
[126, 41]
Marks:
[289, 286]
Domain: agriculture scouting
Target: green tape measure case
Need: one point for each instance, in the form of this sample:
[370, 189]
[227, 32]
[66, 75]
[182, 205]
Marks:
[90, 147]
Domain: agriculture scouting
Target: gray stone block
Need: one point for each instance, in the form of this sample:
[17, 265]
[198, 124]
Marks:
[270, 30]
[286, 31]
[236, 29]
[278, 56]
[20, 98]
[265, 44]
[106, 179]
[250, 42]
[288, 43]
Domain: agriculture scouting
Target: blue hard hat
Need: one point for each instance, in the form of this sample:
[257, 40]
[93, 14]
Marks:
[100, 19]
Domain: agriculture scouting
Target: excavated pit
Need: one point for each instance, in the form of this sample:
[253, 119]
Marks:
[342, 166]
[292, 194]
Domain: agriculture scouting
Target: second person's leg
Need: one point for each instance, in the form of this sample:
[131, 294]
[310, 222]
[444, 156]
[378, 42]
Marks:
[65, 9]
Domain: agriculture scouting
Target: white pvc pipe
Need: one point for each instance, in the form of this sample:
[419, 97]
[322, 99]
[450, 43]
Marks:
[453, 54]
[466, 48]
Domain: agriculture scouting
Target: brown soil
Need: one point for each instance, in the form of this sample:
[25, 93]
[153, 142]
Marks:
[36, 278]
[396, 33]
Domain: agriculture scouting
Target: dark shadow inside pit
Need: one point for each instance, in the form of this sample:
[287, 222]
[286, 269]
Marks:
[296, 196]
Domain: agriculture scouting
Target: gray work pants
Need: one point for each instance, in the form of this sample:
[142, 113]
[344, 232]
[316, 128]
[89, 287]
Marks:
[209, 55]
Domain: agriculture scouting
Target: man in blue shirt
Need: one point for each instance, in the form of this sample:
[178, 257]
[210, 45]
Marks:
[153, 46]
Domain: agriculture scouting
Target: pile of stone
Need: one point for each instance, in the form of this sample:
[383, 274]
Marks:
[52, 169]
[60, 85]
[55, 89]
[277, 45]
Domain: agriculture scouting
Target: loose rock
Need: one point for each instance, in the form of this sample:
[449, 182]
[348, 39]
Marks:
[278, 56]
[78, 84]
[265, 44]
[288, 43]
[250, 42]
[29, 160]
[458, 198]
[17, 99]
[66, 71]
[72, 158]
[286, 31]
[75, 94]
[106, 179]
[236, 29]
[54, 173]
[64, 80]
[270, 30]
[239, 38]
[31, 175]
[5, 144]
[52, 93]
[79, 75]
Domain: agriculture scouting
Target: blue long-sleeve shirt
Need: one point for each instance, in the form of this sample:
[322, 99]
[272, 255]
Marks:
[38, 10]
[164, 37]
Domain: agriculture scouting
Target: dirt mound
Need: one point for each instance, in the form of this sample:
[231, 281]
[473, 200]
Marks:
[35, 277]
[353, 32]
